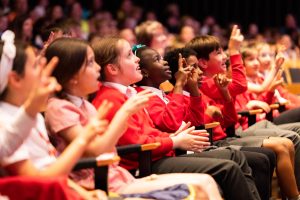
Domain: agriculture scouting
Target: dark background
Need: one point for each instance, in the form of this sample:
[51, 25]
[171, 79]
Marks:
[266, 13]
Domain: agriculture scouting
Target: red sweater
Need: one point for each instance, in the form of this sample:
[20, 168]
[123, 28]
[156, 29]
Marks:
[229, 116]
[169, 117]
[140, 128]
[238, 84]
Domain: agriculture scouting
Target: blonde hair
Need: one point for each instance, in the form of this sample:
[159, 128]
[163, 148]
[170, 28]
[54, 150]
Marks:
[144, 32]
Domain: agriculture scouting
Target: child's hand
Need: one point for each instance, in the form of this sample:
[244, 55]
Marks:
[221, 81]
[214, 112]
[254, 104]
[51, 38]
[279, 59]
[43, 85]
[235, 41]
[188, 141]
[183, 127]
[275, 84]
[98, 124]
[183, 72]
[136, 102]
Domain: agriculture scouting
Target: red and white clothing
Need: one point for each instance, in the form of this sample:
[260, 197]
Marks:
[36, 147]
[62, 114]
[238, 84]
[169, 111]
[15, 133]
[140, 128]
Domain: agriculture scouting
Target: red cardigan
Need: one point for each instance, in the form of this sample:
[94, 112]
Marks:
[168, 117]
[237, 86]
[140, 128]
[229, 116]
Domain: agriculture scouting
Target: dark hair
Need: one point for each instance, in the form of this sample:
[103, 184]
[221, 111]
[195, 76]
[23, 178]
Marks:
[17, 26]
[71, 53]
[138, 52]
[19, 60]
[204, 45]
[172, 58]
[106, 52]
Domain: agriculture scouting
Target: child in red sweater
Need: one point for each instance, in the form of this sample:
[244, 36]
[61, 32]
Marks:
[120, 69]
[212, 60]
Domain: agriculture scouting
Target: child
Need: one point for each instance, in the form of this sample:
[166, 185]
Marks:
[120, 69]
[36, 156]
[169, 111]
[212, 60]
[78, 81]
[152, 34]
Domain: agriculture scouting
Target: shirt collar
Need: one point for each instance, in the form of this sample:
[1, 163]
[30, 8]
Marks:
[185, 93]
[127, 90]
[161, 94]
[77, 101]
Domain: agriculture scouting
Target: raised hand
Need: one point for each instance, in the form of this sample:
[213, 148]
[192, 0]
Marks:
[279, 59]
[235, 41]
[43, 85]
[221, 81]
[183, 72]
[136, 102]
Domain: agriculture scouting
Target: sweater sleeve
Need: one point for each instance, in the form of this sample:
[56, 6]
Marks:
[239, 81]
[140, 129]
[167, 117]
[194, 110]
[13, 134]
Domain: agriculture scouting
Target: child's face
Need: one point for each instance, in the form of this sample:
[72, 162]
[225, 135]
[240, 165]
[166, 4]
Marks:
[265, 58]
[216, 63]
[159, 39]
[251, 64]
[129, 71]
[87, 77]
[29, 75]
[193, 61]
[156, 68]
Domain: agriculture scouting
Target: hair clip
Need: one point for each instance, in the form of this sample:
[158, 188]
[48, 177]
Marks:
[136, 47]
[7, 57]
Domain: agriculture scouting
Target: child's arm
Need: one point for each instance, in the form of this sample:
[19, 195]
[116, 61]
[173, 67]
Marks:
[111, 133]
[271, 81]
[227, 108]
[254, 104]
[181, 75]
[194, 111]
[43, 85]
[238, 84]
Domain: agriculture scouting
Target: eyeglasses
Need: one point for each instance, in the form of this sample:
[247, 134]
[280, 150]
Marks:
[136, 47]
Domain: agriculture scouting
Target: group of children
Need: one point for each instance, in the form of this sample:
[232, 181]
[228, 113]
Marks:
[121, 114]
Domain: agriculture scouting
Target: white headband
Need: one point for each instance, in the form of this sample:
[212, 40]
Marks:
[7, 58]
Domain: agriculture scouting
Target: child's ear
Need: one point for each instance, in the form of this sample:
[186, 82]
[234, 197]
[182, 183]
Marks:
[112, 69]
[14, 79]
[203, 64]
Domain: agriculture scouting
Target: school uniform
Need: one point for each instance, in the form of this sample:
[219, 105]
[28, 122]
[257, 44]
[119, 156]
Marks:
[141, 130]
[168, 111]
[62, 114]
[36, 147]
[238, 84]
[15, 133]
